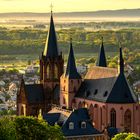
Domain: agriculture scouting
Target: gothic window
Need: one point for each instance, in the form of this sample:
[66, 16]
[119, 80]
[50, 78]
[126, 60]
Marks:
[83, 124]
[64, 101]
[71, 125]
[72, 82]
[78, 81]
[113, 118]
[64, 88]
[91, 111]
[74, 89]
[127, 121]
[48, 71]
[22, 110]
[55, 72]
[80, 105]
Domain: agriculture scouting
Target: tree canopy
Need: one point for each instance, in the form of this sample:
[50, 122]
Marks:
[126, 136]
[28, 128]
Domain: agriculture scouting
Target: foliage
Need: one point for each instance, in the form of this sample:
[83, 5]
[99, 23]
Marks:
[7, 129]
[32, 41]
[126, 136]
[28, 128]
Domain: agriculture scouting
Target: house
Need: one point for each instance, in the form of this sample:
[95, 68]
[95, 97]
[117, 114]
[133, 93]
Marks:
[77, 125]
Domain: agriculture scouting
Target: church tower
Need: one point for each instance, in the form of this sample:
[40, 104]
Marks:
[70, 82]
[101, 62]
[51, 64]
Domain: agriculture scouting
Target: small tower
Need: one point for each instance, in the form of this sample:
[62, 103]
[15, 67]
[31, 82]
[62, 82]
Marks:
[70, 81]
[101, 62]
[51, 63]
[120, 62]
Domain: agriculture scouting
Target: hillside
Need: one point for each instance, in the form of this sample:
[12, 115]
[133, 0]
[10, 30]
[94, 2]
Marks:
[104, 13]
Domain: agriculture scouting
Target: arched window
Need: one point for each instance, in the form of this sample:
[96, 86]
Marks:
[83, 124]
[113, 118]
[74, 89]
[127, 121]
[22, 110]
[80, 105]
[91, 112]
[64, 101]
[55, 72]
[48, 71]
[71, 125]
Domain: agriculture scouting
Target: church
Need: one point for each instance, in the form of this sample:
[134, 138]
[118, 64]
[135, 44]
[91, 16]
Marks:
[105, 92]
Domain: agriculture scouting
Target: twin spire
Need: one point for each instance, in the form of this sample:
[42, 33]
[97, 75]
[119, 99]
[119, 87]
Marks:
[101, 62]
[121, 62]
[51, 48]
[71, 70]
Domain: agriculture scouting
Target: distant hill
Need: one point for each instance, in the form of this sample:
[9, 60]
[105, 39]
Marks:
[104, 13]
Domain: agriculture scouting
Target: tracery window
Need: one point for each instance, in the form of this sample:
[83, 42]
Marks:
[113, 118]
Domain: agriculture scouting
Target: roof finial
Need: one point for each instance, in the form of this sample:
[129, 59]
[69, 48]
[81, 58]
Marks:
[51, 6]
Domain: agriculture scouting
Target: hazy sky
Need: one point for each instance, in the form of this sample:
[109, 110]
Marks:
[65, 5]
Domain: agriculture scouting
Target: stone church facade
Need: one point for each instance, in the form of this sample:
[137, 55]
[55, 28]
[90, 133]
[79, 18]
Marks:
[104, 91]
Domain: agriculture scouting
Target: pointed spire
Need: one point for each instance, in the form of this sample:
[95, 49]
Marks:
[121, 61]
[51, 48]
[71, 70]
[101, 58]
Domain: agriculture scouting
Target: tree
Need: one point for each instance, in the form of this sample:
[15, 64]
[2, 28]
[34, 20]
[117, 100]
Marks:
[28, 128]
[126, 136]
[7, 129]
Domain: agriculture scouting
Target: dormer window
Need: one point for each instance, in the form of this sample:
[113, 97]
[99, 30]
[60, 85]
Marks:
[96, 91]
[71, 125]
[105, 94]
[83, 125]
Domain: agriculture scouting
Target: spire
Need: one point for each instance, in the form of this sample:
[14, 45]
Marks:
[51, 48]
[71, 70]
[101, 58]
[121, 62]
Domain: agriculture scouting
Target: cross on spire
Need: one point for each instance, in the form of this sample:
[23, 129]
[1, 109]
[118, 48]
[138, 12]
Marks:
[51, 6]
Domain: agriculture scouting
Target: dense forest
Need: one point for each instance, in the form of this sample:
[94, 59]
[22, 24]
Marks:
[32, 41]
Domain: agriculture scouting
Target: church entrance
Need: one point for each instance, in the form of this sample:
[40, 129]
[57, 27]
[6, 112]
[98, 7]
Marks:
[127, 121]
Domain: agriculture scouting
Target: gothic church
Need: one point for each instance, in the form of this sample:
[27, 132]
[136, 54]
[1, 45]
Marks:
[104, 91]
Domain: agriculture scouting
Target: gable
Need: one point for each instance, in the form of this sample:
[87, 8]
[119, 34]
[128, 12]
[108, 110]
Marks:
[121, 92]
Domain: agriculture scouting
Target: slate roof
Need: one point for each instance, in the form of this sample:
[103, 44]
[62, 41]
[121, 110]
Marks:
[77, 117]
[71, 70]
[96, 89]
[121, 92]
[101, 61]
[109, 90]
[53, 118]
[51, 48]
[34, 93]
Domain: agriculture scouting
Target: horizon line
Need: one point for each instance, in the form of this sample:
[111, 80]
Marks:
[70, 11]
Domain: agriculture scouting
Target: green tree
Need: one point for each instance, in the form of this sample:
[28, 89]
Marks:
[28, 128]
[126, 136]
[7, 129]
